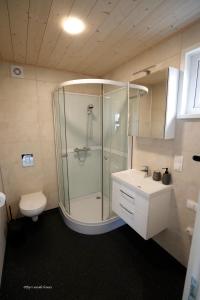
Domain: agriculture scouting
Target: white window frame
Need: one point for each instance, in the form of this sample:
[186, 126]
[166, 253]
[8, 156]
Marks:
[186, 109]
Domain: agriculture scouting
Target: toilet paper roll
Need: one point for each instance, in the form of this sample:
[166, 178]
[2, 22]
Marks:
[2, 199]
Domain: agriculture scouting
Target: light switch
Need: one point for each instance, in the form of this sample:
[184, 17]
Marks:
[27, 160]
[178, 163]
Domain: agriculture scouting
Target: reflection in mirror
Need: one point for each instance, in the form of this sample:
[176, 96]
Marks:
[139, 120]
[148, 111]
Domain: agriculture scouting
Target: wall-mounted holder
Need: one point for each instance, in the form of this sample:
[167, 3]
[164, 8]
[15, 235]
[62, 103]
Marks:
[27, 160]
[196, 158]
[117, 120]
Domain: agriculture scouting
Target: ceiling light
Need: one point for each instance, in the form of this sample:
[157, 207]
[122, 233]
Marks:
[73, 25]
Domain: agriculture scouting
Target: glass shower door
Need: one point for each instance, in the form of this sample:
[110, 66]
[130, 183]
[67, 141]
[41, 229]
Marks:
[61, 148]
[115, 139]
[82, 110]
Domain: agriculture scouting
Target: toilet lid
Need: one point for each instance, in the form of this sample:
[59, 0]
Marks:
[32, 201]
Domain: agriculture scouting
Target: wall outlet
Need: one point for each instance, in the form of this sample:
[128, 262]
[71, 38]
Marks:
[178, 163]
[192, 205]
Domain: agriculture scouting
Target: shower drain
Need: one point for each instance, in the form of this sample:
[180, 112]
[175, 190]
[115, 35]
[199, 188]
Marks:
[98, 197]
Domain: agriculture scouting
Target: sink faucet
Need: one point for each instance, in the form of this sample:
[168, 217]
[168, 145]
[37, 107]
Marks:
[146, 170]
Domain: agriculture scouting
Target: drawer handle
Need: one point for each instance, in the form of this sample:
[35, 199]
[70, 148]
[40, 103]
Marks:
[127, 194]
[126, 209]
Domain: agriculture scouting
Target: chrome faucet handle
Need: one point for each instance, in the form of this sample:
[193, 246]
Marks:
[146, 168]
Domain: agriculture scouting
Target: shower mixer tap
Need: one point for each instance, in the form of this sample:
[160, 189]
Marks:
[81, 153]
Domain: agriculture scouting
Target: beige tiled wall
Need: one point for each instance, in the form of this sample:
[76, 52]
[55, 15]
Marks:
[158, 153]
[26, 126]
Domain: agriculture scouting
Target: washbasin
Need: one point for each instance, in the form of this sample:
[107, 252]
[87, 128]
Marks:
[145, 185]
[141, 202]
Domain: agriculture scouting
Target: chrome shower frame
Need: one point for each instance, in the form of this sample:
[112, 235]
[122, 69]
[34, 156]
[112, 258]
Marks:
[113, 222]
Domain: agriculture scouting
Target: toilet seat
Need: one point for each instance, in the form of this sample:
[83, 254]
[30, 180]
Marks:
[32, 204]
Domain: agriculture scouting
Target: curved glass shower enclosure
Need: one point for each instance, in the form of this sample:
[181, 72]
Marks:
[91, 137]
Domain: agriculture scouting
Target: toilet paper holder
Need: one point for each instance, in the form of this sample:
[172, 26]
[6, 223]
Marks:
[196, 158]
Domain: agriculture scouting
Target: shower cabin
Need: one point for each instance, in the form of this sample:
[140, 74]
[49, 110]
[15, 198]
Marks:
[91, 139]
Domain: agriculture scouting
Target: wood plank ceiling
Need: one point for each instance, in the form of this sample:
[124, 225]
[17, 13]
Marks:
[117, 30]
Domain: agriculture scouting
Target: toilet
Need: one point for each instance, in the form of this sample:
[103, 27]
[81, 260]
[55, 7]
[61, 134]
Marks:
[32, 205]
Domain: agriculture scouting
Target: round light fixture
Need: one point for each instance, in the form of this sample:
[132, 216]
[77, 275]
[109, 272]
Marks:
[73, 25]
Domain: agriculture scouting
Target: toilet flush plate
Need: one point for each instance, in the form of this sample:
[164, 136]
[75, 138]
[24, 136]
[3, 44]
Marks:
[27, 160]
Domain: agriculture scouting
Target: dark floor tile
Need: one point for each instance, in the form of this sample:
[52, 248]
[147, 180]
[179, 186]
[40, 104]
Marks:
[116, 265]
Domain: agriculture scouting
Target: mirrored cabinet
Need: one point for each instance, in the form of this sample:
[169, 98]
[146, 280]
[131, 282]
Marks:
[153, 114]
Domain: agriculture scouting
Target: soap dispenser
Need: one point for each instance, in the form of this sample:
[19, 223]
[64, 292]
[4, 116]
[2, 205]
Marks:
[166, 178]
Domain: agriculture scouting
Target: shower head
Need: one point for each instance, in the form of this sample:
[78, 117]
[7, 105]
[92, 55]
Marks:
[90, 108]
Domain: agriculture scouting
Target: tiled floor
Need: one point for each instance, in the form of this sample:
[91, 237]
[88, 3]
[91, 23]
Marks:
[46, 260]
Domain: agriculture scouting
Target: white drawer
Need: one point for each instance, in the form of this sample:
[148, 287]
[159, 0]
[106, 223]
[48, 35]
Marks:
[130, 199]
[137, 221]
[147, 215]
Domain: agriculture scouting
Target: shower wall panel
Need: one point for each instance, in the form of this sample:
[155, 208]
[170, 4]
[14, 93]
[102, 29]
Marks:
[83, 130]
[115, 143]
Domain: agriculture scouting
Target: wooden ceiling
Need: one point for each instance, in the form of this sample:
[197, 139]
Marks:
[117, 30]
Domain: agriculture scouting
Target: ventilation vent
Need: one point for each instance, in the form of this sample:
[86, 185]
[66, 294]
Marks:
[17, 71]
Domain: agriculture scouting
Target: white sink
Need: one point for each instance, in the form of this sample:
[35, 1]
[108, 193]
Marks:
[145, 185]
[141, 202]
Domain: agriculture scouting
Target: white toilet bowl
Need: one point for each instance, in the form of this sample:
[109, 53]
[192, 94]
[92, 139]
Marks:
[31, 205]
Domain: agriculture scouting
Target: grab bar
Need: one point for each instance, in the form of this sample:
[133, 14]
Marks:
[81, 149]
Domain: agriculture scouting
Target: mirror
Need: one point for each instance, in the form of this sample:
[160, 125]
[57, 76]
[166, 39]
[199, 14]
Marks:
[153, 115]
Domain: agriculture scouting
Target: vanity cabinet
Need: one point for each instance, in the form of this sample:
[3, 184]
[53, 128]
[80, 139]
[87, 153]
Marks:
[146, 212]
[153, 114]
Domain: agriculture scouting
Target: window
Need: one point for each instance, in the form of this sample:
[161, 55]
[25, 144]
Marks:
[189, 90]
